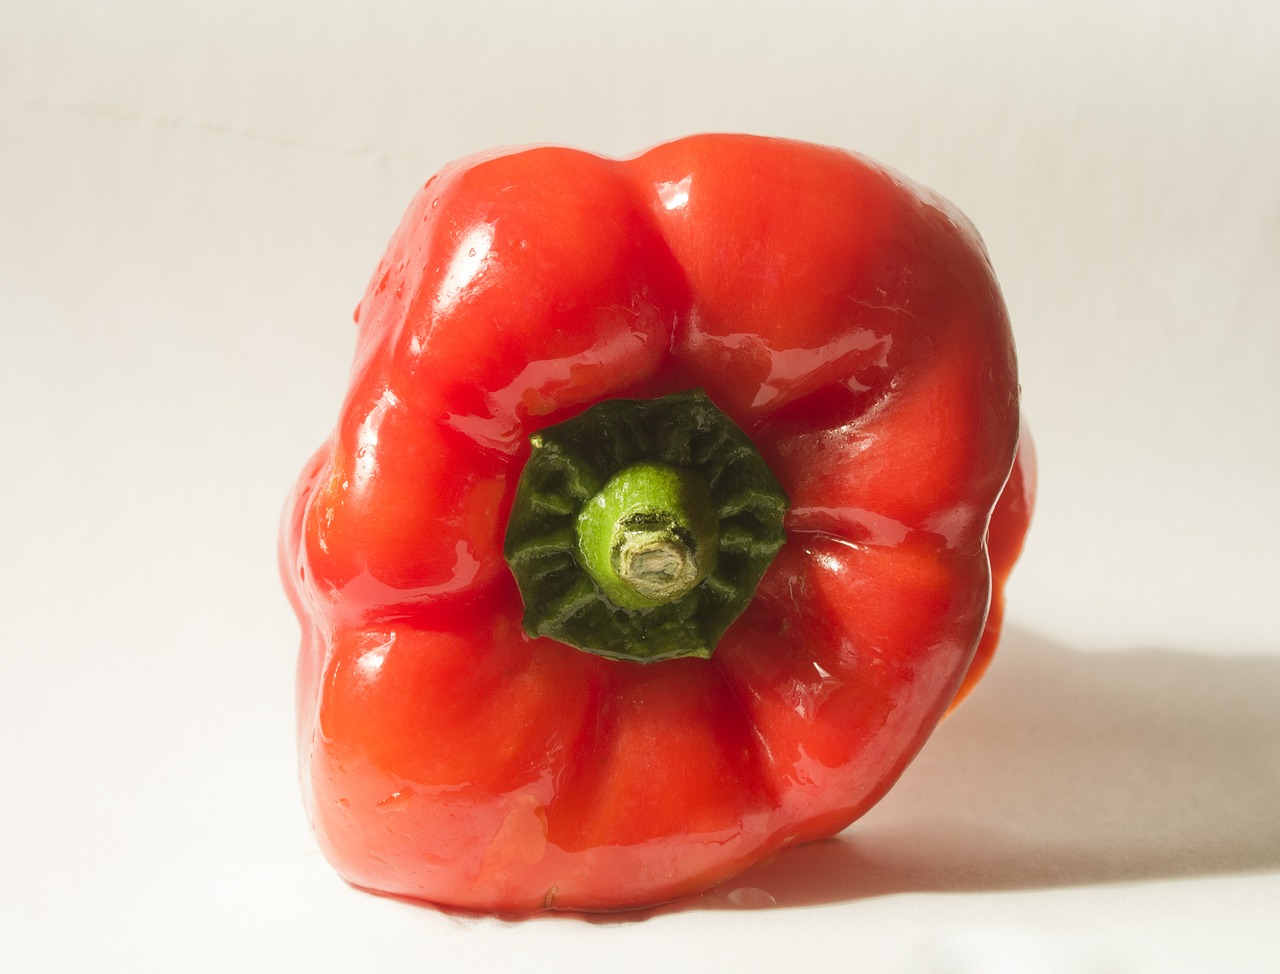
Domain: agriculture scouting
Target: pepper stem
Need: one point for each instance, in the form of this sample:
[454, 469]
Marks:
[649, 536]
[640, 528]
[657, 564]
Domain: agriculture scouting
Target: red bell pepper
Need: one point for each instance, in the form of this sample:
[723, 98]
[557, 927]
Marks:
[656, 534]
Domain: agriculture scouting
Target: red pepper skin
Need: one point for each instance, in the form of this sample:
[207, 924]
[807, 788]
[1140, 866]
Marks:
[848, 321]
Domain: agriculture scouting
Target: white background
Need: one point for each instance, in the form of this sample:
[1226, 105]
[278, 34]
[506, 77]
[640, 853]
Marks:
[192, 198]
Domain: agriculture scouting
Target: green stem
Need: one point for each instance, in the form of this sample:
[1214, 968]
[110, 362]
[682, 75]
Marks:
[641, 528]
[649, 536]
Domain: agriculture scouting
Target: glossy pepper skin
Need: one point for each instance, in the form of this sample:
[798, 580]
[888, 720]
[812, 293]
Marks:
[848, 322]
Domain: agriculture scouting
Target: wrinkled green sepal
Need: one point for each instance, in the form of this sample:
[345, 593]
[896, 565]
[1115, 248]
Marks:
[568, 466]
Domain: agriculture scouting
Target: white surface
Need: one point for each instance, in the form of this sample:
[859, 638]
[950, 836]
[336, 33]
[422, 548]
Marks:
[192, 198]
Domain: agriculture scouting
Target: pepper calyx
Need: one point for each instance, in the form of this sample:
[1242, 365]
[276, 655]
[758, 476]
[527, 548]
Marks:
[641, 528]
